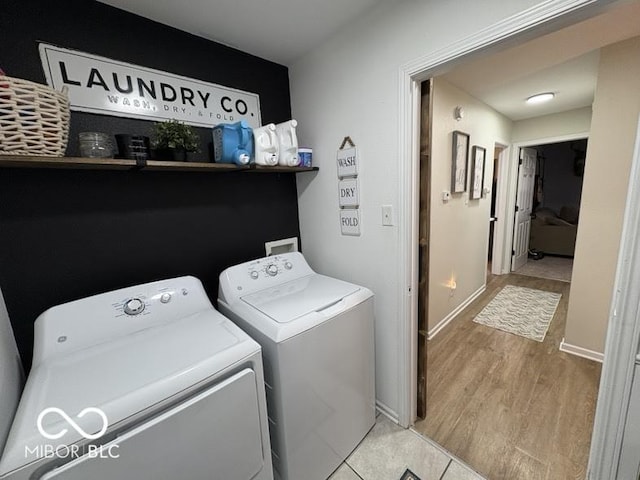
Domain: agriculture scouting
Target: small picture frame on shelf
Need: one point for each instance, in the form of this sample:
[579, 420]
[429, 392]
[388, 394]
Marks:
[477, 172]
[459, 157]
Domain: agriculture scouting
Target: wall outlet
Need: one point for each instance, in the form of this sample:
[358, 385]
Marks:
[446, 196]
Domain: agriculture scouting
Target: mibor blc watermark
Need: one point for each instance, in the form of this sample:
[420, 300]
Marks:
[71, 452]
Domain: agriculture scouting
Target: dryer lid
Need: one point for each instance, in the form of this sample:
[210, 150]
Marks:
[122, 378]
[289, 301]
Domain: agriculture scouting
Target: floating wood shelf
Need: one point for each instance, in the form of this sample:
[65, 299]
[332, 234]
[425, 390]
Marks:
[20, 161]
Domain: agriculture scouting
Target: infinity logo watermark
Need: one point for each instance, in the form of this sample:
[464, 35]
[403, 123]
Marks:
[72, 451]
[74, 425]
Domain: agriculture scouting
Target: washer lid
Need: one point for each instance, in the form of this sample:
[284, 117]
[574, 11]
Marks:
[289, 301]
[121, 378]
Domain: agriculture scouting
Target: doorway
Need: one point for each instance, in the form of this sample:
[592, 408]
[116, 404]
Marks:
[460, 211]
[554, 194]
[467, 370]
[407, 132]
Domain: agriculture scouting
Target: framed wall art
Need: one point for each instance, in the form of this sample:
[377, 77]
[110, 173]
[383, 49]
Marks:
[477, 172]
[460, 154]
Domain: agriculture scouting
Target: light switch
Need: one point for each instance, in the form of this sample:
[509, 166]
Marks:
[387, 215]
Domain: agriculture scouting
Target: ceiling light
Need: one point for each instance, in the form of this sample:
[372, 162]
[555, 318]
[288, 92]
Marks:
[540, 98]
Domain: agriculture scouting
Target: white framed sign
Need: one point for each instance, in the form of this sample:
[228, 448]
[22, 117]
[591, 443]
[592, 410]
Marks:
[347, 163]
[350, 222]
[109, 87]
[348, 193]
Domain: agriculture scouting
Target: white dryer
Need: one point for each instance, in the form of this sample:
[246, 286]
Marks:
[317, 339]
[144, 383]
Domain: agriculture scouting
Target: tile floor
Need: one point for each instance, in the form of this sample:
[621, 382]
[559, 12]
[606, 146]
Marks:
[388, 450]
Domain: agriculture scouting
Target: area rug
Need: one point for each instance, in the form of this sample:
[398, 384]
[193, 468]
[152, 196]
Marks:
[522, 311]
[553, 268]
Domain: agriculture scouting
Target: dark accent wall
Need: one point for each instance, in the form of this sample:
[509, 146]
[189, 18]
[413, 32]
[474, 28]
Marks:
[68, 234]
[562, 186]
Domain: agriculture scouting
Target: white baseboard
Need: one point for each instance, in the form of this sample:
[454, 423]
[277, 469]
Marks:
[387, 412]
[581, 352]
[445, 321]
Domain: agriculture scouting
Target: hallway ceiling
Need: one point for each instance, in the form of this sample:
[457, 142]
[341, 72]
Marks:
[277, 30]
[564, 62]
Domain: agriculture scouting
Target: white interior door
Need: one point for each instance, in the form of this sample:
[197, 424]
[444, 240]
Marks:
[524, 204]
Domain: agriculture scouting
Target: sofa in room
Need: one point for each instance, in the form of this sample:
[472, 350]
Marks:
[554, 233]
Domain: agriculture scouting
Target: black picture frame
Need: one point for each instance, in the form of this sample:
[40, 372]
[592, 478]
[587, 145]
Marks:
[459, 161]
[478, 158]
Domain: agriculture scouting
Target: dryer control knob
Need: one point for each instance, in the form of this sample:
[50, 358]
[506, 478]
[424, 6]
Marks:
[133, 306]
[272, 270]
[254, 274]
[288, 265]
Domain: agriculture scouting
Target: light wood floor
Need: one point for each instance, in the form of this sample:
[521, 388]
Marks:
[510, 407]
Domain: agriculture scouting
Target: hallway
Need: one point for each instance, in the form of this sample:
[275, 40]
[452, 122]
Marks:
[508, 406]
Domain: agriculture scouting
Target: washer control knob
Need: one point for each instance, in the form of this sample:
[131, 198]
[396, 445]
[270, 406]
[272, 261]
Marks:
[165, 298]
[288, 265]
[254, 274]
[133, 306]
[272, 270]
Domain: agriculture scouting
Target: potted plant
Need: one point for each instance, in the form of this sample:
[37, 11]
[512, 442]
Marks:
[173, 140]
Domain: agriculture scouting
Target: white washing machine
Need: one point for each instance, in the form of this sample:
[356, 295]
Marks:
[145, 383]
[317, 339]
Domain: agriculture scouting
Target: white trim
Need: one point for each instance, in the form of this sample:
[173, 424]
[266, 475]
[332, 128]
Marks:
[543, 15]
[445, 321]
[497, 262]
[505, 29]
[623, 335]
[386, 411]
[408, 268]
[581, 352]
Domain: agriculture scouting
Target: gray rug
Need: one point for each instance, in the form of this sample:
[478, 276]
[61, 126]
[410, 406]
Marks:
[553, 268]
[523, 311]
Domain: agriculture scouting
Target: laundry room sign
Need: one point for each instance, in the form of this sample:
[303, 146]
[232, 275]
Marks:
[348, 188]
[347, 163]
[350, 222]
[349, 193]
[109, 87]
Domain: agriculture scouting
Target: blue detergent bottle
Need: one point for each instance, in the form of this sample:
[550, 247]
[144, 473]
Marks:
[233, 143]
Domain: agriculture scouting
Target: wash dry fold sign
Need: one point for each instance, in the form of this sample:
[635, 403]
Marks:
[109, 87]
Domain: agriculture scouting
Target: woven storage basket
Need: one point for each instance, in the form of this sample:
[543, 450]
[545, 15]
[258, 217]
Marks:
[34, 118]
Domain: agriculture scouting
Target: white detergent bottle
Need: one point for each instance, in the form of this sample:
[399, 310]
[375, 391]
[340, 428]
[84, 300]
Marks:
[266, 145]
[288, 141]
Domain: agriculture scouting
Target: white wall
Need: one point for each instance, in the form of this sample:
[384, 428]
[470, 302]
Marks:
[350, 86]
[613, 131]
[459, 234]
[552, 126]
[10, 374]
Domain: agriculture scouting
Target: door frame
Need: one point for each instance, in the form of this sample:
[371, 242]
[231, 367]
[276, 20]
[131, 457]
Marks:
[508, 201]
[501, 187]
[538, 20]
[623, 338]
